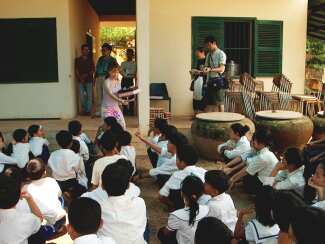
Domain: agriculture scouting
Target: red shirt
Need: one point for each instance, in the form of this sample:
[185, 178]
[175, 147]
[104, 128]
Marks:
[85, 68]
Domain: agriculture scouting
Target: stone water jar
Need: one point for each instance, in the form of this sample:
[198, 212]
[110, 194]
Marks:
[288, 128]
[319, 124]
[209, 130]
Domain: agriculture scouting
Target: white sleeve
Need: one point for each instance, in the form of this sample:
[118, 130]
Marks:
[223, 58]
[4, 159]
[165, 190]
[95, 178]
[285, 185]
[84, 152]
[222, 145]
[173, 223]
[255, 165]
[249, 233]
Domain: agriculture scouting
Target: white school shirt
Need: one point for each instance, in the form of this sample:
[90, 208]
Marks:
[93, 239]
[292, 181]
[124, 217]
[36, 145]
[130, 153]
[262, 164]
[84, 152]
[64, 164]
[168, 167]
[46, 192]
[161, 157]
[20, 152]
[5, 159]
[320, 205]
[239, 148]
[100, 165]
[256, 233]
[85, 138]
[222, 207]
[178, 221]
[16, 227]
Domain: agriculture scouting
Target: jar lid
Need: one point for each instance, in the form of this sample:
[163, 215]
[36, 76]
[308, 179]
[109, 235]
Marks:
[220, 117]
[279, 114]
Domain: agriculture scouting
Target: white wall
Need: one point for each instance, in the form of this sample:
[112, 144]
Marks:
[170, 39]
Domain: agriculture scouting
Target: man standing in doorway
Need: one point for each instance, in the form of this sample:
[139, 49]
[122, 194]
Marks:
[84, 69]
[101, 72]
[214, 66]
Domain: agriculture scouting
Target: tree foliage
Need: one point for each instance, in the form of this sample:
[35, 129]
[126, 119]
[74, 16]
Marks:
[315, 53]
[117, 36]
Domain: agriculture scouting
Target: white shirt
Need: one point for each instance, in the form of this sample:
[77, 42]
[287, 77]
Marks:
[36, 145]
[256, 233]
[100, 166]
[20, 152]
[222, 207]
[84, 152]
[262, 164]
[5, 159]
[16, 227]
[93, 239]
[85, 138]
[238, 148]
[161, 159]
[320, 204]
[166, 164]
[130, 153]
[292, 181]
[175, 181]
[124, 217]
[178, 221]
[46, 193]
[65, 164]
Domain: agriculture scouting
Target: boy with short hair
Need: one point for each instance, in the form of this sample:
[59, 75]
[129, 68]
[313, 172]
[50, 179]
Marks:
[221, 204]
[109, 145]
[20, 149]
[127, 149]
[38, 144]
[85, 218]
[16, 226]
[75, 128]
[66, 164]
[124, 215]
[170, 193]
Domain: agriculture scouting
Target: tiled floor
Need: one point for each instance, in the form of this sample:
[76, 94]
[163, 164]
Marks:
[156, 212]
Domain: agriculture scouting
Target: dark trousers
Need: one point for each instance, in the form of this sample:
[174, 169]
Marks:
[162, 179]
[153, 157]
[126, 83]
[252, 184]
[72, 187]
[164, 239]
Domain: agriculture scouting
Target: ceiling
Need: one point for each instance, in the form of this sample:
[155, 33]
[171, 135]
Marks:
[113, 7]
[316, 19]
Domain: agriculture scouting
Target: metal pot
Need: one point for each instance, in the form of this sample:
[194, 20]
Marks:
[232, 69]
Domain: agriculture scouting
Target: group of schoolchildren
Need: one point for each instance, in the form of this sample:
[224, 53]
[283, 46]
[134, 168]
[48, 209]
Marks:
[95, 182]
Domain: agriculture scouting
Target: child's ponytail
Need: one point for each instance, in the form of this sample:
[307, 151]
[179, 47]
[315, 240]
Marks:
[192, 189]
[240, 129]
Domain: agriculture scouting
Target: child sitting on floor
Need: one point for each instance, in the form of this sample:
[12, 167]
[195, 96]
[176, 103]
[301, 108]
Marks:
[75, 128]
[82, 178]
[127, 150]
[182, 223]
[258, 165]
[238, 143]
[20, 149]
[85, 219]
[289, 174]
[110, 124]
[221, 204]
[263, 228]
[16, 226]
[38, 144]
[170, 193]
[5, 159]
[317, 183]
[47, 193]
[65, 165]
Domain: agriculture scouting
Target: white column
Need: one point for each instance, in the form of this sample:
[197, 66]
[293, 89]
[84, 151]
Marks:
[142, 42]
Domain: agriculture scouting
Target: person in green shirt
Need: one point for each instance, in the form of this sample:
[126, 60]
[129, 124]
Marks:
[101, 72]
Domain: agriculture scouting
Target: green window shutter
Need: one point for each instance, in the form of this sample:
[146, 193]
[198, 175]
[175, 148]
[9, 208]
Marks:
[268, 38]
[203, 27]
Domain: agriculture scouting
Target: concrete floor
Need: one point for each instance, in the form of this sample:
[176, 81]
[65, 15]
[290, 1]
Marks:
[157, 214]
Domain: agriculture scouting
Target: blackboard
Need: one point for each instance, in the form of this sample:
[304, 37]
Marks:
[28, 50]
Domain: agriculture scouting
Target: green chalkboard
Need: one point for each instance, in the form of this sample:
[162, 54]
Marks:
[28, 50]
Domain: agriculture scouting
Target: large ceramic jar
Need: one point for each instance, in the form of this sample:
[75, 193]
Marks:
[212, 129]
[319, 125]
[288, 128]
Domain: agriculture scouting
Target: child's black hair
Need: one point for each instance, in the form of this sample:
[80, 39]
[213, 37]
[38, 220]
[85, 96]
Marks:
[177, 139]
[125, 139]
[187, 154]
[75, 146]
[263, 206]
[109, 121]
[9, 191]
[16, 174]
[112, 66]
[35, 169]
[127, 164]
[19, 135]
[108, 141]
[160, 123]
[84, 215]
[168, 130]
[64, 139]
[192, 190]
[239, 129]
[262, 136]
[293, 156]
[218, 180]
[211, 230]
[75, 127]
[32, 130]
[115, 179]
